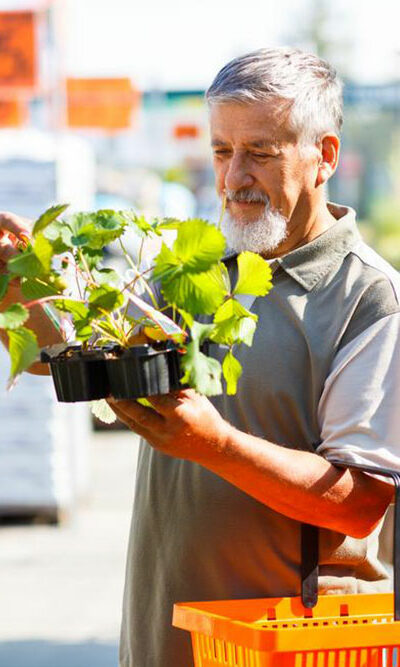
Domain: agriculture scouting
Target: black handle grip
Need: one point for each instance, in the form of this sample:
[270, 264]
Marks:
[309, 542]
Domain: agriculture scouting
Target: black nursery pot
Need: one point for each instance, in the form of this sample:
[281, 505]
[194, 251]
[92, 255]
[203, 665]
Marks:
[78, 375]
[143, 370]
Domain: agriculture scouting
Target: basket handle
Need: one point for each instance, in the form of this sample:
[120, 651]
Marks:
[310, 549]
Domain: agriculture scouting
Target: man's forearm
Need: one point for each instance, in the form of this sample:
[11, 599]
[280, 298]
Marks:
[301, 485]
[39, 322]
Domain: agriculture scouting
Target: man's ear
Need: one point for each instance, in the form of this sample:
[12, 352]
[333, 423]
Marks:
[328, 158]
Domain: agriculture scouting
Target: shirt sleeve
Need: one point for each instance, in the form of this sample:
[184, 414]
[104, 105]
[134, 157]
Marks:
[359, 410]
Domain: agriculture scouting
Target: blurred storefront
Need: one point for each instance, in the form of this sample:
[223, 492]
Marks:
[102, 142]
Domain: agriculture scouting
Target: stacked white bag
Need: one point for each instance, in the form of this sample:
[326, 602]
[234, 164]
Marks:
[44, 447]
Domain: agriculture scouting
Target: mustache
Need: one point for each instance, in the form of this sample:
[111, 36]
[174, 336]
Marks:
[246, 195]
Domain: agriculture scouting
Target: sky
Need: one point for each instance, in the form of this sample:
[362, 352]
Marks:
[183, 43]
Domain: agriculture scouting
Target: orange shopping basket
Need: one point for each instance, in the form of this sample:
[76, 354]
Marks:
[332, 631]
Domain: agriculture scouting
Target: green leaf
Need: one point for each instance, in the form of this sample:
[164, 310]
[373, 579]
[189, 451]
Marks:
[105, 298]
[4, 280]
[35, 288]
[83, 330]
[254, 275]
[57, 281]
[200, 332]
[43, 250]
[59, 234]
[166, 264]
[186, 317]
[225, 279]
[106, 277]
[14, 316]
[148, 227]
[141, 225]
[191, 276]
[145, 402]
[196, 293]
[76, 308]
[26, 265]
[201, 372]
[98, 229]
[245, 331]
[102, 411]
[232, 308]
[48, 217]
[234, 331]
[92, 257]
[232, 371]
[81, 316]
[109, 331]
[234, 324]
[35, 262]
[23, 349]
[169, 223]
[198, 245]
[79, 240]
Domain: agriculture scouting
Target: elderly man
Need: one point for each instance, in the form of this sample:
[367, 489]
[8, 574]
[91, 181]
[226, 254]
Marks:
[223, 487]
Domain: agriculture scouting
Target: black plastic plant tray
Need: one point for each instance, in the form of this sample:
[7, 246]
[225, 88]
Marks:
[79, 377]
[143, 371]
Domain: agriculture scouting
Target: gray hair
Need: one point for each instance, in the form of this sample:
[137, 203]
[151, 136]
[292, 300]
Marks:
[307, 83]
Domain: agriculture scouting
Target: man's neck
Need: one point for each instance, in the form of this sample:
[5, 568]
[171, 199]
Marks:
[300, 234]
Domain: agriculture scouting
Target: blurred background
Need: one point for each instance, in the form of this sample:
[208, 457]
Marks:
[101, 105]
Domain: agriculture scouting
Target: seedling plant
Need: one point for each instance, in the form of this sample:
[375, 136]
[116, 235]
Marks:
[184, 295]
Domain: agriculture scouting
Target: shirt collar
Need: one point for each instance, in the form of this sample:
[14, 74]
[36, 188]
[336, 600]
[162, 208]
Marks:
[311, 262]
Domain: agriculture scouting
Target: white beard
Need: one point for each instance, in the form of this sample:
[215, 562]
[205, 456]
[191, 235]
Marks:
[261, 236]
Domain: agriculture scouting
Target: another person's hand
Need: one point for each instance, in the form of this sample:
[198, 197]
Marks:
[183, 424]
[14, 231]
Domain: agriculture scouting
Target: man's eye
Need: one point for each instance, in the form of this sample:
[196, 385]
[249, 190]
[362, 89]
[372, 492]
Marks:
[261, 155]
[221, 151]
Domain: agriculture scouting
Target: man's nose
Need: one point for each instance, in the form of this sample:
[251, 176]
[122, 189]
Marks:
[237, 175]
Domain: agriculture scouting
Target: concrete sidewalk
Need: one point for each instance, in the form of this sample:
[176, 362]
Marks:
[61, 587]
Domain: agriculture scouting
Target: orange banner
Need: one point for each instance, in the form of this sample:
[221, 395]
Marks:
[101, 103]
[17, 50]
[13, 113]
[186, 131]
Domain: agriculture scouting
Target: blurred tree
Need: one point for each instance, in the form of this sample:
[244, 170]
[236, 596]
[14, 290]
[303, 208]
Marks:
[321, 28]
[369, 134]
[382, 225]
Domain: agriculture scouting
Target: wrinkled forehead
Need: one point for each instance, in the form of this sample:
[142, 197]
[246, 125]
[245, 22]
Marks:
[255, 122]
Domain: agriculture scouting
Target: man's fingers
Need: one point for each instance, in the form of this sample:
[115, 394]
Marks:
[20, 227]
[13, 231]
[137, 416]
[7, 250]
[164, 403]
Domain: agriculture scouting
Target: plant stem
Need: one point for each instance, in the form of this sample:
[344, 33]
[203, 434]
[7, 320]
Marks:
[54, 297]
[140, 252]
[97, 327]
[77, 271]
[138, 274]
[86, 266]
[123, 315]
[223, 209]
[119, 330]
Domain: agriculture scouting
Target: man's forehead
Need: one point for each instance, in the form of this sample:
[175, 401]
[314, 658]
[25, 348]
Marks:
[264, 142]
[258, 124]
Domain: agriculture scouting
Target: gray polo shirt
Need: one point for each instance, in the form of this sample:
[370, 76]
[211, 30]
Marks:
[323, 375]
